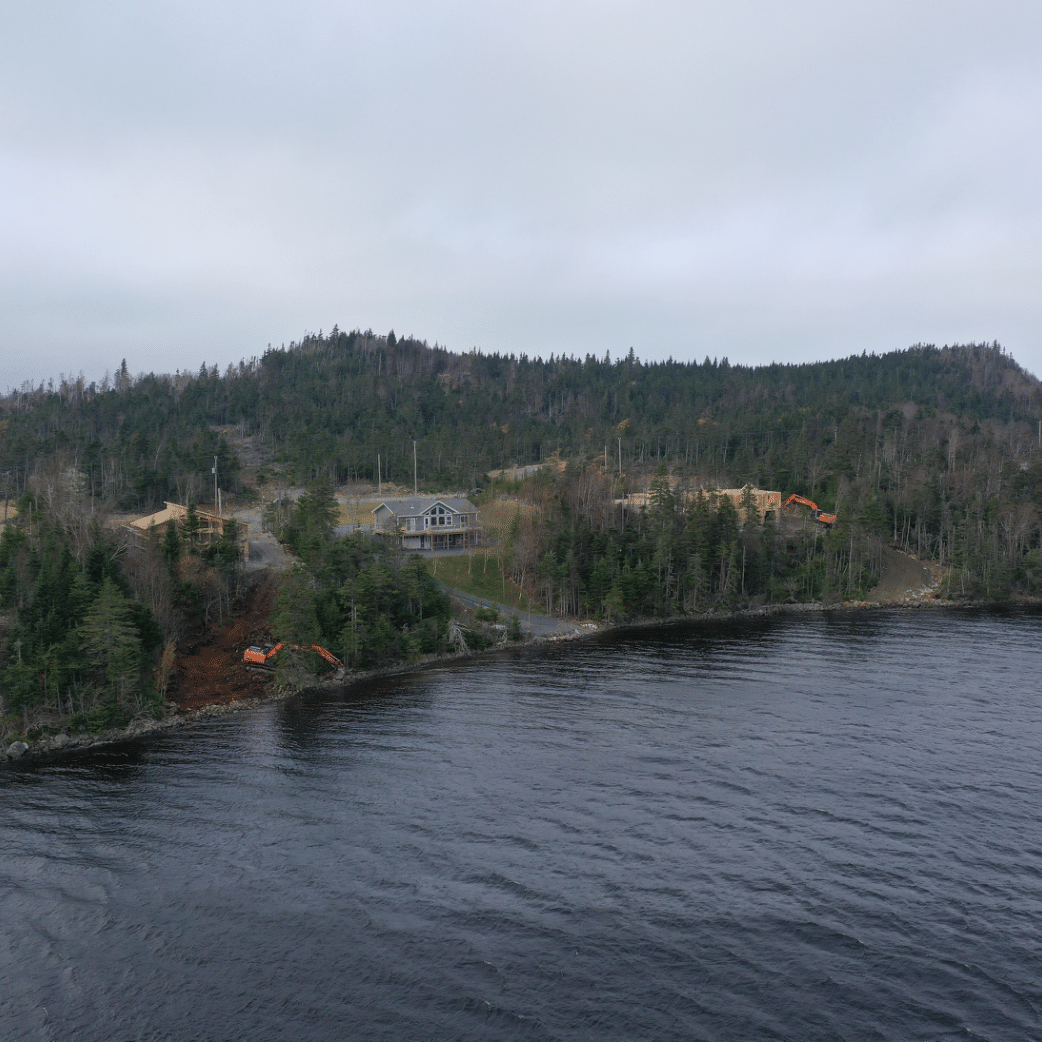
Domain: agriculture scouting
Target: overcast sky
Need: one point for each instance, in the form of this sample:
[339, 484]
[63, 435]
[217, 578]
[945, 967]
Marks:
[191, 181]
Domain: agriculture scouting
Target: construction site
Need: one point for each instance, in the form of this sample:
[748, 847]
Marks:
[215, 668]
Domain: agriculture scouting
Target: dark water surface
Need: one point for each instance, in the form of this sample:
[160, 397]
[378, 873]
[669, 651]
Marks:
[824, 827]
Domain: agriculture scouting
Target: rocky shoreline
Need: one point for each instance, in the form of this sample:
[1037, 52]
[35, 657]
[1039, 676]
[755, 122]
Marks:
[63, 743]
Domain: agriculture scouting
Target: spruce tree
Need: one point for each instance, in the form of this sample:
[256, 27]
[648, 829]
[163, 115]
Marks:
[190, 525]
[110, 639]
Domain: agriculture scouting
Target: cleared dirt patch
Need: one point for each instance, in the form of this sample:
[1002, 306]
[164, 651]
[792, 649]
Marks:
[211, 671]
[903, 577]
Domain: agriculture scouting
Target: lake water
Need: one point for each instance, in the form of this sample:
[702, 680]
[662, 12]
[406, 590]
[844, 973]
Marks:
[814, 827]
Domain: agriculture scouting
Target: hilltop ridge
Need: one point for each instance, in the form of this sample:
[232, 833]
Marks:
[332, 404]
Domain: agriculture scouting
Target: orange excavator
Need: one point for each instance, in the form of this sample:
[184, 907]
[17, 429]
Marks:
[823, 517]
[263, 657]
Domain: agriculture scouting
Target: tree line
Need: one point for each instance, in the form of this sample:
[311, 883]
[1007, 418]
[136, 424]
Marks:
[936, 450]
[92, 615]
[582, 551]
[349, 407]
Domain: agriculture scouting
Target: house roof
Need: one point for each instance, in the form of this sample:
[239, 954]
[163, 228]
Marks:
[171, 512]
[174, 512]
[417, 505]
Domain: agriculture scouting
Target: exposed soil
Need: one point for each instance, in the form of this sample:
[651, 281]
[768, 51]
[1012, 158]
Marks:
[255, 451]
[211, 671]
[904, 578]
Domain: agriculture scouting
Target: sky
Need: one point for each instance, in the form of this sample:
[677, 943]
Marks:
[784, 181]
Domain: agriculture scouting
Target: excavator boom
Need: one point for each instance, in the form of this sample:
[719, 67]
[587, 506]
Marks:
[823, 517]
[328, 656]
[262, 656]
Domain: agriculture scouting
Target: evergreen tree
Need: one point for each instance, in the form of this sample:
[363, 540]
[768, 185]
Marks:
[110, 639]
[294, 619]
[171, 544]
[314, 520]
[191, 526]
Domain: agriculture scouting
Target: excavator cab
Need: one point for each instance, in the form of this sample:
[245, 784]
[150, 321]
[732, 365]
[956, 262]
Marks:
[256, 656]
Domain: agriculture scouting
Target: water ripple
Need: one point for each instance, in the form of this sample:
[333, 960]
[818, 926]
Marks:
[822, 827]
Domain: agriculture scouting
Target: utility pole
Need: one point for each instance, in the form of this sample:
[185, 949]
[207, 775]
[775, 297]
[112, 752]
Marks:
[415, 486]
[622, 488]
[215, 504]
[379, 478]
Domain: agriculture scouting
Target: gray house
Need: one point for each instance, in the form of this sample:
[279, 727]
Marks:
[429, 523]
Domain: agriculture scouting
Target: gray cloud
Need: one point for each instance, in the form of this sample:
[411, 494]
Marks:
[780, 181]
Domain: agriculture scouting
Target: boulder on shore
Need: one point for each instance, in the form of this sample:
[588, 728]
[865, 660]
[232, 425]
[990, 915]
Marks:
[16, 750]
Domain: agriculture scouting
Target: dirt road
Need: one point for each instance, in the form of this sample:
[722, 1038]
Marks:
[531, 625]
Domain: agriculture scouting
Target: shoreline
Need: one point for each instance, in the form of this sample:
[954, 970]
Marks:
[56, 746]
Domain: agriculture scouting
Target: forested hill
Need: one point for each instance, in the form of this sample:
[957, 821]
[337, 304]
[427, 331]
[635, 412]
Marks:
[329, 405]
[935, 450]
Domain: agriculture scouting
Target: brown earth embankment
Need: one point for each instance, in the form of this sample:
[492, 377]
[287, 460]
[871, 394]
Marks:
[904, 579]
[211, 670]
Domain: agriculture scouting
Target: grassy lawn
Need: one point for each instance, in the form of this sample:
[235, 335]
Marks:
[469, 574]
[357, 511]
